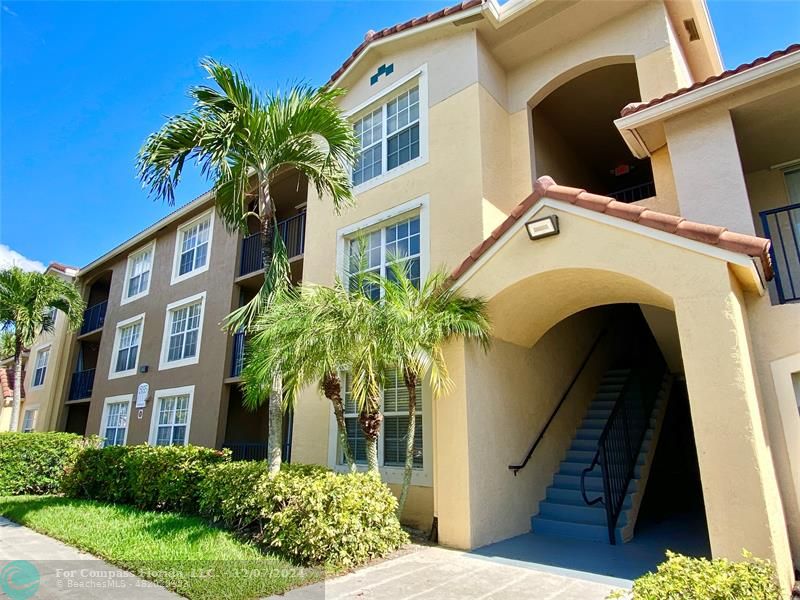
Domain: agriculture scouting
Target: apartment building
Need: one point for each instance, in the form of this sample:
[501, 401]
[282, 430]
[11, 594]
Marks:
[645, 365]
[42, 371]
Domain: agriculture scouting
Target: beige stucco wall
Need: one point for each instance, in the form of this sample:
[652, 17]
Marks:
[590, 263]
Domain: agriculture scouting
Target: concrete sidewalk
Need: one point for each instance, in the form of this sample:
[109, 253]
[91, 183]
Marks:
[29, 559]
[441, 574]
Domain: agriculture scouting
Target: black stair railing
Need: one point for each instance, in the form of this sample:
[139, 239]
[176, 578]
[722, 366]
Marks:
[621, 439]
[532, 449]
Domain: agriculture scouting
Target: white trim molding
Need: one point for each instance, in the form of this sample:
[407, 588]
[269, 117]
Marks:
[418, 77]
[151, 248]
[121, 399]
[159, 395]
[176, 278]
[786, 379]
[163, 363]
[112, 374]
[46, 348]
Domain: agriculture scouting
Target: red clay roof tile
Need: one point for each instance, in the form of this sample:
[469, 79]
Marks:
[7, 382]
[636, 107]
[423, 20]
[708, 234]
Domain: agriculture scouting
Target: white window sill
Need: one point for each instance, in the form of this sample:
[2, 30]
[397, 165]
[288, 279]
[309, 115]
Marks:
[121, 374]
[189, 274]
[174, 364]
[133, 298]
[390, 175]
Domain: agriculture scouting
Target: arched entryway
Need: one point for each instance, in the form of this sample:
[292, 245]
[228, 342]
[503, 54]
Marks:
[540, 293]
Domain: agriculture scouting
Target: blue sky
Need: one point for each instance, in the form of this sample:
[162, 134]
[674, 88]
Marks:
[83, 83]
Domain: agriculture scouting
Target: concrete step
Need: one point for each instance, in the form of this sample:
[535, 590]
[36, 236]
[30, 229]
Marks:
[574, 513]
[564, 496]
[598, 413]
[584, 457]
[580, 531]
[602, 405]
[576, 468]
[567, 481]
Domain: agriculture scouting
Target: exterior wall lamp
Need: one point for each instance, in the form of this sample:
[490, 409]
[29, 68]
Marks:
[542, 228]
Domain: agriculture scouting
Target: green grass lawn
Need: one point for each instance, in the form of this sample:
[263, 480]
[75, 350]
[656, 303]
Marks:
[166, 548]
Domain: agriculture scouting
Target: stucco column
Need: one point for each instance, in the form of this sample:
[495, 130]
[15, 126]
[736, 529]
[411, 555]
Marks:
[451, 456]
[740, 490]
[707, 169]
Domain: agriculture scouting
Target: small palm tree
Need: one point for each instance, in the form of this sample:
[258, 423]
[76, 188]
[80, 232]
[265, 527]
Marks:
[26, 299]
[418, 322]
[312, 335]
[242, 139]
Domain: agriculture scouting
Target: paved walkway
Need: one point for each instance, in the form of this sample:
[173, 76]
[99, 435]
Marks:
[437, 573]
[28, 559]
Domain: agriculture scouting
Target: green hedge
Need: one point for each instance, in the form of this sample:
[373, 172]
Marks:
[148, 477]
[682, 577]
[306, 513]
[34, 463]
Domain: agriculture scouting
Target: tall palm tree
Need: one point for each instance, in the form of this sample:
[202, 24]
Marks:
[312, 335]
[417, 322]
[26, 299]
[242, 140]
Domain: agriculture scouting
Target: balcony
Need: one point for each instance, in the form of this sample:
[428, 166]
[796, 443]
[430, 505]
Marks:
[94, 317]
[293, 232]
[81, 385]
[247, 450]
[237, 356]
[635, 193]
[782, 226]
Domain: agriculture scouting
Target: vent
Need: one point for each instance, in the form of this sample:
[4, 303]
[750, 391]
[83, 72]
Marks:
[691, 29]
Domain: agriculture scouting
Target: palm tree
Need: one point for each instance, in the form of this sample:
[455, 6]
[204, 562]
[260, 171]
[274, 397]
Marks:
[418, 322]
[312, 335]
[242, 139]
[26, 299]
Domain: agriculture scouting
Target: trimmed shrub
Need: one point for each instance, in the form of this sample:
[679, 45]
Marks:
[305, 513]
[148, 477]
[34, 463]
[682, 577]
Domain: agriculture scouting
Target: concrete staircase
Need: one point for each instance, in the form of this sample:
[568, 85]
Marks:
[564, 512]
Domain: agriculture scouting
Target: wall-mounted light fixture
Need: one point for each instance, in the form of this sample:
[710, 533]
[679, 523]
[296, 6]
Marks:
[542, 228]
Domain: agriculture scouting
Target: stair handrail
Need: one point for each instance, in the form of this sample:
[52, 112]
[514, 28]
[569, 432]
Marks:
[615, 484]
[595, 344]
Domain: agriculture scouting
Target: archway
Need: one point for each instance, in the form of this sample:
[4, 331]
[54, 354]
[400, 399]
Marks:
[574, 137]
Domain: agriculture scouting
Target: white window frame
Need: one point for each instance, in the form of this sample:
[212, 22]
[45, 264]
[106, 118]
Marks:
[391, 474]
[163, 363]
[151, 247]
[418, 77]
[165, 393]
[112, 374]
[36, 367]
[176, 259]
[35, 410]
[419, 206]
[124, 398]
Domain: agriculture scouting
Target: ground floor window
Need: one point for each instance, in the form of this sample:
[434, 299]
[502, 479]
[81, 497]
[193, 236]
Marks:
[392, 441]
[29, 420]
[172, 416]
[114, 428]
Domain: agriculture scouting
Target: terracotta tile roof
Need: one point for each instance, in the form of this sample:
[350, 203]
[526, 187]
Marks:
[708, 234]
[636, 107]
[7, 382]
[62, 267]
[372, 36]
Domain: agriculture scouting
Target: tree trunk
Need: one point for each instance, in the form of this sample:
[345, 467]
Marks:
[275, 407]
[17, 388]
[411, 385]
[370, 420]
[332, 386]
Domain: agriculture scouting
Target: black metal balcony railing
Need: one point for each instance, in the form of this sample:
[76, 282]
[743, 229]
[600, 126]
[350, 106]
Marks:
[293, 232]
[94, 317]
[782, 226]
[247, 450]
[635, 193]
[81, 385]
[237, 356]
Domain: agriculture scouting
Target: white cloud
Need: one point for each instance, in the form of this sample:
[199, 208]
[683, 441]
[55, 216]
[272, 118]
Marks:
[12, 258]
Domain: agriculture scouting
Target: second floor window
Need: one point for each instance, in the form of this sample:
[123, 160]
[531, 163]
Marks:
[389, 136]
[194, 242]
[128, 348]
[41, 367]
[140, 264]
[183, 332]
